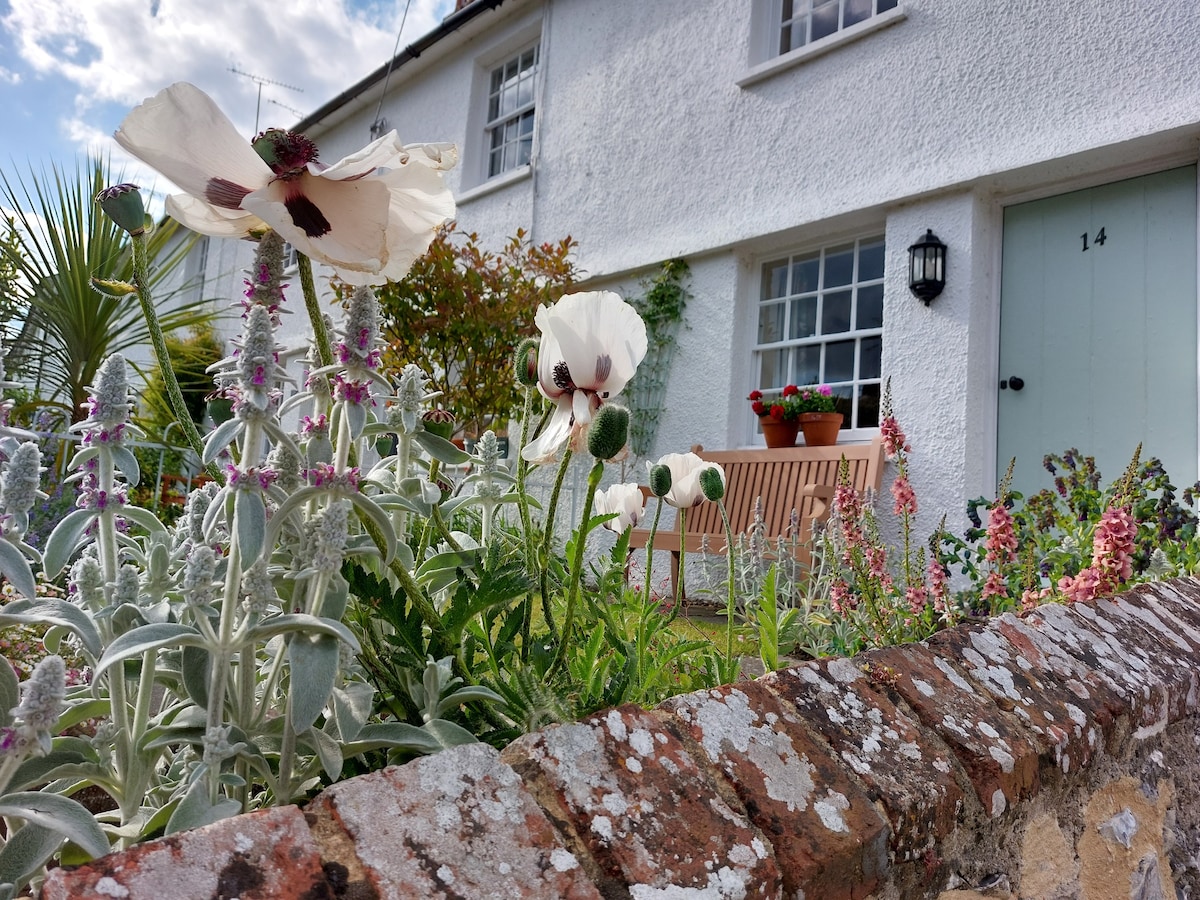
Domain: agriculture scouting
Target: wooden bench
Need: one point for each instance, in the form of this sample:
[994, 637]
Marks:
[800, 478]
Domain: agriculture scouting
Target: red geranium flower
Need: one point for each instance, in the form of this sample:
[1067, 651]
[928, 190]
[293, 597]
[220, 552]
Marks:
[777, 411]
[791, 390]
[755, 395]
[758, 407]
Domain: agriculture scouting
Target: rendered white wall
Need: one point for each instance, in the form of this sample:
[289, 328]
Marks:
[649, 149]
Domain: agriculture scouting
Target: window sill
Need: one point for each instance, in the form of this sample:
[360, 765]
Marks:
[801, 55]
[495, 183]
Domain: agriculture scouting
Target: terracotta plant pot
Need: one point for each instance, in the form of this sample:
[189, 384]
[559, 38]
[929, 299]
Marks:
[821, 429]
[779, 432]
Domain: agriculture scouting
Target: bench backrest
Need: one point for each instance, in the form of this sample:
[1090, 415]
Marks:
[780, 477]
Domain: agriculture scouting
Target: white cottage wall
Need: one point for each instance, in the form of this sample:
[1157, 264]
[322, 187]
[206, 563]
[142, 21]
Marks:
[652, 143]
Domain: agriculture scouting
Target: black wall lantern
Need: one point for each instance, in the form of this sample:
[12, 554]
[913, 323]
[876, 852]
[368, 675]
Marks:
[927, 267]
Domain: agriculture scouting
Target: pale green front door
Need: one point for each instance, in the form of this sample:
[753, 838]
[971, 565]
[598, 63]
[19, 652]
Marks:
[1098, 328]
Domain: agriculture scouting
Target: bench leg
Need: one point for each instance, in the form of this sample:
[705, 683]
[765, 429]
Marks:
[675, 579]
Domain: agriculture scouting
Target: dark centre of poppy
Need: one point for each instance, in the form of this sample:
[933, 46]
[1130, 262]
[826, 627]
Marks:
[562, 376]
[286, 152]
[306, 215]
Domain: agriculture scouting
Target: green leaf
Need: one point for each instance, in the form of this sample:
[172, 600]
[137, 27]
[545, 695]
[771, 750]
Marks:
[146, 638]
[313, 660]
[447, 734]
[40, 769]
[394, 736]
[15, 567]
[366, 506]
[301, 623]
[220, 438]
[61, 544]
[251, 516]
[328, 750]
[352, 706]
[143, 518]
[54, 612]
[10, 692]
[194, 810]
[467, 695]
[61, 814]
[127, 463]
[25, 852]
[441, 449]
[196, 670]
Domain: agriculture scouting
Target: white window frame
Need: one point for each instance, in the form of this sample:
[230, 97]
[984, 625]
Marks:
[767, 23]
[476, 182]
[498, 88]
[787, 298]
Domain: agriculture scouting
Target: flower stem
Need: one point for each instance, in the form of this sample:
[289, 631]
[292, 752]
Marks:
[315, 316]
[650, 546]
[141, 281]
[593, 482]
[548, 524]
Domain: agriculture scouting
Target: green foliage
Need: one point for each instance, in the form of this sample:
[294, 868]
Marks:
[661, 308]
[462, 310]
[190, 355]
[60, 242]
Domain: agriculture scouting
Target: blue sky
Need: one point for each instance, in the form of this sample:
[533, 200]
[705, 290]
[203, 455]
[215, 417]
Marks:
[71, 69]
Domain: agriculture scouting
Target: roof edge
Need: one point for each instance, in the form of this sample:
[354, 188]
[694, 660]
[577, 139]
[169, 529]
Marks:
[449, 25]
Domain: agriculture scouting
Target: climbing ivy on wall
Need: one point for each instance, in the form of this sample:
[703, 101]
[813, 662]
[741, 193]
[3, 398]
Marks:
[661, 308]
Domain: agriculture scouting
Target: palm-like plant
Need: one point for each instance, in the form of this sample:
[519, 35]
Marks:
[63, 241]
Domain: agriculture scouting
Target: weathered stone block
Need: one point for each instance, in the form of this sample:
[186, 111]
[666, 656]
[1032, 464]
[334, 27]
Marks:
[651, 818]
[910, 773]
[457, 824]
[265, 855]
[997, 754]
[829, 839]
[1067, 724]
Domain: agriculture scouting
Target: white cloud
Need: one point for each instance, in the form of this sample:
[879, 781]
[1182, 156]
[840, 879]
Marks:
[7, 76]
[118, 52]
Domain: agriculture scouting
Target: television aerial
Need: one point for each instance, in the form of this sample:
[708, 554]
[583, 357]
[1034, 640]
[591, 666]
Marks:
[260, 81]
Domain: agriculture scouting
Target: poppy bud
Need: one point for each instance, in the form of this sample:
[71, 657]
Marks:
[712, 482]
[660, 480]
[525, 363]
[439, 422]
[123, 204]
[609, 431]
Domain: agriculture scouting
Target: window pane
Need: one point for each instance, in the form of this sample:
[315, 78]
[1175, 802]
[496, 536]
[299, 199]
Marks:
[870, 353]
[770, 323]
[839, 266]
[525, 91]
[870, 260]
[774, 283]
[868, 406]
[856, 11]
[805, 273]
[806, 365]
[824, 19]
[835, 314]
[885, 5]
[839, 361]
[804, 318]
[770, 375]
[870, 306]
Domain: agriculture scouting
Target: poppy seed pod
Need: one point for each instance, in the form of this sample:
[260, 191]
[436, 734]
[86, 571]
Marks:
[609, 431]
[525, 363]
[123, 204]
[712, 482]
[660, 480]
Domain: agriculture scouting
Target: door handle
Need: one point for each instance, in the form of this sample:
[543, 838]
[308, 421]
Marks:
[1015, 382]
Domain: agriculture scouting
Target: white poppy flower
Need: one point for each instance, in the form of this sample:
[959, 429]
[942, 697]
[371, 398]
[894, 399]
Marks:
[626, 500]
[592, 343]
[686, 491]
[368, 216]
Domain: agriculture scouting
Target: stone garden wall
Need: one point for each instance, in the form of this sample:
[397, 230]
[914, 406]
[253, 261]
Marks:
[1054, 755]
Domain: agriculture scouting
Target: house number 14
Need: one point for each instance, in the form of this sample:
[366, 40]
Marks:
[1099, 239]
